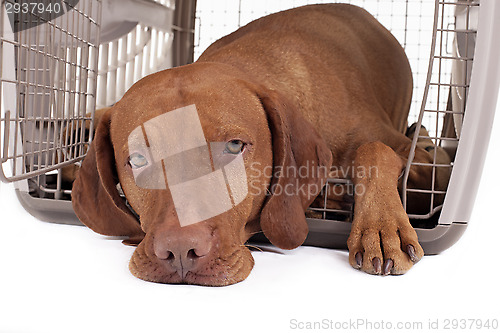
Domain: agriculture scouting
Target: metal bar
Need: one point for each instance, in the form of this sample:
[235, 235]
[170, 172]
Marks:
[448, 85]
[422, 108]
[445, 111]
[458, 3]
[6, 134]
[425, 216]
[465, 31]
[438, 138]
[330, 210]
[433, 164]
[43, 171]
[415, 190]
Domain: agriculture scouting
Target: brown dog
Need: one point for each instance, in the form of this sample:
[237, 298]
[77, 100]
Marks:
[313, 87]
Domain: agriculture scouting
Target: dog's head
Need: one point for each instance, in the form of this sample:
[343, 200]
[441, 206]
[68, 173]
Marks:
[205, 159]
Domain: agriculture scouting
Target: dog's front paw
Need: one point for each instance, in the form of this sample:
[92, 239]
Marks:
[386, 245]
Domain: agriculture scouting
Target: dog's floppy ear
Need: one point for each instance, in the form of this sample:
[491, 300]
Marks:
[95, 197]
[301, 161]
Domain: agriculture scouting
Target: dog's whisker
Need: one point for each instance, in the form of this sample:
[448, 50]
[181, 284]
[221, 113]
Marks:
[253, 247]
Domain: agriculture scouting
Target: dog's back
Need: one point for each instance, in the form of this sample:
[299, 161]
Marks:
[333, 56]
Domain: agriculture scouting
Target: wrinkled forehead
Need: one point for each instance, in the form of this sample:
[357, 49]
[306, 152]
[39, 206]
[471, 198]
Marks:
[219, 111]
[168, 134]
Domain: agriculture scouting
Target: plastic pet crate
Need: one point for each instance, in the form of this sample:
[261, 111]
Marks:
[54, 75]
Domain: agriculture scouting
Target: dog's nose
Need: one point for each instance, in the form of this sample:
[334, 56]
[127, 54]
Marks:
[184, 249]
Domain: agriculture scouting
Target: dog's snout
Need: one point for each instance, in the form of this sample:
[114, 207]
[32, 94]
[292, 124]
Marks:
[184, 249]
[173, 248]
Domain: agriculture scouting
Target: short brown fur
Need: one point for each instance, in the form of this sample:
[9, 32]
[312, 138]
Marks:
[320, 84]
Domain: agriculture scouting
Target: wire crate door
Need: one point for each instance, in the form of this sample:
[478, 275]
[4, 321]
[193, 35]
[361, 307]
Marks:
[47, 88]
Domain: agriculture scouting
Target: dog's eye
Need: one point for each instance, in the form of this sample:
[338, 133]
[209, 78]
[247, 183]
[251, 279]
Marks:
[137, 161]
[234, 147]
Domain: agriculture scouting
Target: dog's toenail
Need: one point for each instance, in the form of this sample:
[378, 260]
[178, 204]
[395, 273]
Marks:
[377, 265]
[388, 264]
[359, 259]
[411, 252]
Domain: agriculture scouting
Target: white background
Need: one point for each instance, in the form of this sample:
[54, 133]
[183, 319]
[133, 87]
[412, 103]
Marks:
[58, 278]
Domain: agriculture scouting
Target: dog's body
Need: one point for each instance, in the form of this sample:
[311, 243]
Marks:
[348, 76]
[322, 85]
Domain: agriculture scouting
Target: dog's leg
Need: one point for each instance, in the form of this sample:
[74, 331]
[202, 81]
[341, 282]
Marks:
[382, 241]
